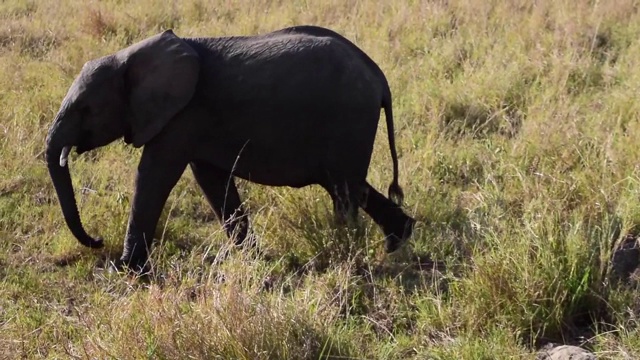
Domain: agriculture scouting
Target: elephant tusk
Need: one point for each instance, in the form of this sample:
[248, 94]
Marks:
[64, 155]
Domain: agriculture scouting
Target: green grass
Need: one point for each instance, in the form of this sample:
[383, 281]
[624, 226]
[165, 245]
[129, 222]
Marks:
[516, 126]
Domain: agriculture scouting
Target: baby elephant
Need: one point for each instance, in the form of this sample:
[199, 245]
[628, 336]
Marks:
[294, 107]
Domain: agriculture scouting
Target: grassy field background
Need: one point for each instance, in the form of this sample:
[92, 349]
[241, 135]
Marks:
[516, 126]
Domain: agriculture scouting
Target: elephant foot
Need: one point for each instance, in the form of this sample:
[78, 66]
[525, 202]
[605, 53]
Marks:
[247, 241]
[394, 239]
[131, 266]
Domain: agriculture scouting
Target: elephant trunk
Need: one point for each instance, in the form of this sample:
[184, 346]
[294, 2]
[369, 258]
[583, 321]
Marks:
[59, 172]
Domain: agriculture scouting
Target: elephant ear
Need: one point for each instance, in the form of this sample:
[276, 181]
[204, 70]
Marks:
[161, 74]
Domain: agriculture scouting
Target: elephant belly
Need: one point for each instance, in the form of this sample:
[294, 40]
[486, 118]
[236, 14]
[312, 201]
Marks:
[280, 165]
[276, 167]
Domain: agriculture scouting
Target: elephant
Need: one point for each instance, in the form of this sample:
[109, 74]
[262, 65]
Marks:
[295, 107]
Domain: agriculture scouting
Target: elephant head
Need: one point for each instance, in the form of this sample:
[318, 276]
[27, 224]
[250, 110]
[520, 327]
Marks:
[132, 93]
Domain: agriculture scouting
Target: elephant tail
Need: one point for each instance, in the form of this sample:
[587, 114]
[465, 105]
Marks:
[395, 191]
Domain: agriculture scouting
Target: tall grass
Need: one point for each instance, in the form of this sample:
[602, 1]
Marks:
[516, 125]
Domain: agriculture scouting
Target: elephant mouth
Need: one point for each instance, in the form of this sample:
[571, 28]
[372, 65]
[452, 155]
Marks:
[64, 154]
[84, 143]
[80, 149]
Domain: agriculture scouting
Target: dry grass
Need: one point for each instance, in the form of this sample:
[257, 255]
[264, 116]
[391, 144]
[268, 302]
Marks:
[516, 124]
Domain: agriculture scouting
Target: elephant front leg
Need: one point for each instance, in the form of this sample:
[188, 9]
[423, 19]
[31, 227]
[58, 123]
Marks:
[158, 172]
[220, 190]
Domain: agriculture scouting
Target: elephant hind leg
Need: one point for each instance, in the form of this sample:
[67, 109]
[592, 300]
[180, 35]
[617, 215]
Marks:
[396, 225]
[346, 196]
[222, 194]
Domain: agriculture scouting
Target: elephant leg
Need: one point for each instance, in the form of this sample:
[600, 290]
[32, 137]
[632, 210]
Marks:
[396, 225]
[346, 196]
[220, 190]
[158, 172]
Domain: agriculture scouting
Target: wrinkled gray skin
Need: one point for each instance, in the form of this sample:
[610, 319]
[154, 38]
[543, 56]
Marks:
[295, 107]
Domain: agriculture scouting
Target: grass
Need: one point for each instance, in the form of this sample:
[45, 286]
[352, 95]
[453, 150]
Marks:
[516, 124]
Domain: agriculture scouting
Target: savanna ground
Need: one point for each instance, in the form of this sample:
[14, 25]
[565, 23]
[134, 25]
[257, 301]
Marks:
[517, 127]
